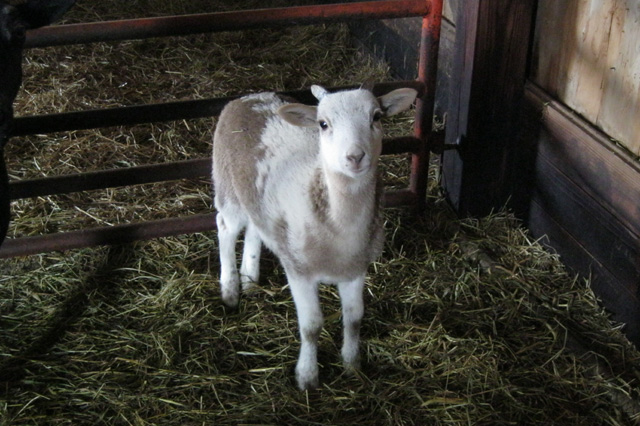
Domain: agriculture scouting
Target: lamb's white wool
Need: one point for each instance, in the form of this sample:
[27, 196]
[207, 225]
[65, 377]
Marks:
[303, 181]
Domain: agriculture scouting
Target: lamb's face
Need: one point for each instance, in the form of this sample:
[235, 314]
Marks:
[349, 126]
[350, 132]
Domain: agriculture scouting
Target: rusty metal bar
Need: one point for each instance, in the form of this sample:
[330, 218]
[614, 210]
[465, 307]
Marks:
[223, 21]
[131, 232]
[400, 145]
[131, 115]
[427, 72]
[121, 116]
[66, 184]
[400, 197]
[138, 175]
[119, 234]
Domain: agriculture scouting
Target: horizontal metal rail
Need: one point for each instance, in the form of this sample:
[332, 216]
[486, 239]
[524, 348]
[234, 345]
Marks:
[89, 181]
[119, 116]
[131, 232]
[169, 111]
[108, 235]
[188, 169]
[222, 21]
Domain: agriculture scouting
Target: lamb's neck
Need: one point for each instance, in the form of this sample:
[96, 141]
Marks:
[347, 202]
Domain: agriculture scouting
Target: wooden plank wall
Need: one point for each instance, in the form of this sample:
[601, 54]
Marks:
[584, 203]
[587, 55]
[585, 67]
[573, 187]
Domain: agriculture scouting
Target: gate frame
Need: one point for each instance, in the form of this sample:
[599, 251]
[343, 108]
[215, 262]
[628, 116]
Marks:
[419, 145]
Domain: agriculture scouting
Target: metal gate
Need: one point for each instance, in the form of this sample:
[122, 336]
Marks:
[419, 144]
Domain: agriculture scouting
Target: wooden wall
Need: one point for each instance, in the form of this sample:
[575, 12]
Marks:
[585, 91]
[587, 55]
[512, 74]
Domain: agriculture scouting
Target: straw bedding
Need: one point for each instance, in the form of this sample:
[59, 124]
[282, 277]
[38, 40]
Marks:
[467, 321]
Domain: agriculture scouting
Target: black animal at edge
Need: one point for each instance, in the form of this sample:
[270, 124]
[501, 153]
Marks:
[15, 20]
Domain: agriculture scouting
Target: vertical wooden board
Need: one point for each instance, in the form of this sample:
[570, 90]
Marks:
[572, 39]
[587, 67]
[552, 45]
[489, 72]
[450, 9]
[620, 112]
[586, 53]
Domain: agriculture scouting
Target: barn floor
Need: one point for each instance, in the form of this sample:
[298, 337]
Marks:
[467, 321]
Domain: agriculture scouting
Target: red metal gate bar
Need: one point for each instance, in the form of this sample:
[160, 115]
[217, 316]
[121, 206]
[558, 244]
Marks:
[108, 235]
[427, 73]
[224, 21]
[131, 232]
[120, 116]
[139, 114]
[125, 176]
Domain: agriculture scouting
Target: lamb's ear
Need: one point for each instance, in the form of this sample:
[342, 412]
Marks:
[299, 114]
[397, 101]
[318, 91]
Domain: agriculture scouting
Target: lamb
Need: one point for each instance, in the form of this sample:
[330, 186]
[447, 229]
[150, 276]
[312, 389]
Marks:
[14, 21]
[303, 180]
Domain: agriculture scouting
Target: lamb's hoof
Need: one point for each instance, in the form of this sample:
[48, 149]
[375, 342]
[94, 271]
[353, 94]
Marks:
[307, 379]
[250, 288]
[351, 369]
[350, 359]
[231, 299]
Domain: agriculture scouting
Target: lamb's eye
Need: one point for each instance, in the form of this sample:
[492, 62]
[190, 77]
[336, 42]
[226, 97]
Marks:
[377, 115]
[323, 125]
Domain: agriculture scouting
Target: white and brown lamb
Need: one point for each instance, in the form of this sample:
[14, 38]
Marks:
[303, 180]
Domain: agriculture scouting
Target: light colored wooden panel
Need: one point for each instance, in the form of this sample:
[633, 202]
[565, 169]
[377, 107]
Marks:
[572, 51]
[587, 54]
[450, 9]
[620, 112]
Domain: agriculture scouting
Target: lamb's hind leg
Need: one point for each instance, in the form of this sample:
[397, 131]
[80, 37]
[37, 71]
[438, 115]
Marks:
[352, 312]
[229, 226]
[250, 268]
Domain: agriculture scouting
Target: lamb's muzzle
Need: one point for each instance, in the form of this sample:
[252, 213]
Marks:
[303, 180]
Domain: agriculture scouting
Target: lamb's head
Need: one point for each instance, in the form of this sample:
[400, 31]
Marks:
[349, 126]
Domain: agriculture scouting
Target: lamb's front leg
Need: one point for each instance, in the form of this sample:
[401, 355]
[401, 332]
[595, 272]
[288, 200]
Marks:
[307, 301]
[352, 312]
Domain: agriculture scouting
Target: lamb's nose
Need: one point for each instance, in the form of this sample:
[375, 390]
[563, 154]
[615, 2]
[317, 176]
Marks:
[355, 158]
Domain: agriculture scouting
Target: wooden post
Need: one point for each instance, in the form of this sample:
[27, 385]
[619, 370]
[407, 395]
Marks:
[489, 73]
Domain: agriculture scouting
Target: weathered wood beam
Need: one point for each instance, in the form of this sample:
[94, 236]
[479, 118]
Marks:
[490, 64]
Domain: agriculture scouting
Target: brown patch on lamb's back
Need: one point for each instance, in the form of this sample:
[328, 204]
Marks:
[237, 148]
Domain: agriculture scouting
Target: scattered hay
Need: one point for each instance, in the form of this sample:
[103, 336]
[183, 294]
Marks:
[467, 321]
